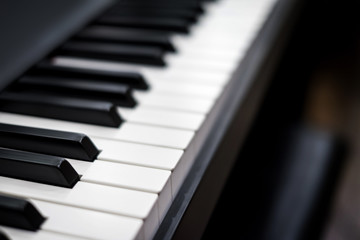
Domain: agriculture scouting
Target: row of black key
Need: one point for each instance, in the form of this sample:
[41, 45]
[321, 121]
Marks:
[38, 155]
[88, 96]
[92, 96]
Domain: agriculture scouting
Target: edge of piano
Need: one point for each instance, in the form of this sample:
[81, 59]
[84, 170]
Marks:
[191, 209]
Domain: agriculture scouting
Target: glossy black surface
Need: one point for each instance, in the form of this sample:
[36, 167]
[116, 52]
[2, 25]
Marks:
[174, 25]
[186, 14]
[19, 213]
[119, 94]
[138, 37]
[134, 80]
[113, 52]
[3, 236]
[47, 141]
[37, 168]
[162, 4]
[70, 109]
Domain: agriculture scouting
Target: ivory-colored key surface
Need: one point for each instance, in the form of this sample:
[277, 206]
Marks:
[122, 175]
[137, 154]
[86, 195]
[131, 132]
[87, 223]
[18, 234]
[179, 103]
[163, 117]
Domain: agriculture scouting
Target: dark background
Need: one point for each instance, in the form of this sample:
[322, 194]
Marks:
[312, 101]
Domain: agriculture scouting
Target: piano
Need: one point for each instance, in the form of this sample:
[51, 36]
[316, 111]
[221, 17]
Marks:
[123, 119]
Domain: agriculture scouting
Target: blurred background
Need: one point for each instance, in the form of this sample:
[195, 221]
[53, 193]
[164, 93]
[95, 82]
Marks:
[298, 175]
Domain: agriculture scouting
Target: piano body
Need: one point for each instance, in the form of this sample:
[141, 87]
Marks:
[191, 87]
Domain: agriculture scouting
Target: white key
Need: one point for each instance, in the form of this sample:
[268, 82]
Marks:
[128, 176]
[87, 223]
[165, 118]
[122, 175]
[200, 63]
[209, 78]
[18, 234]
[173, 138]
[218, 55]
[137, 154]
[188, 104]
[184, 88]
[224, 47]
[86, 195]
[213, 51]
[158, 136]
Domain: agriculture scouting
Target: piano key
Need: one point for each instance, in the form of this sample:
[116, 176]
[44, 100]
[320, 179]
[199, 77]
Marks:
[126, 36]
[127, 176]
[46, 141]
[118, 201]
[169, 25]
[191, 5]
[184, 88]
[198, 53]
[118, 94]
[138, 154]
[72, 109]
[188, 104]
[130, 177]
[187, 14]
[158, 136]
[122, 175]
[132, 79]
[88, 224]
[215, 79]
[17, 234]
[129, 132]
[205, 65]
[165, 118]
[114, 52]
[37, 168]
[3, 236]
[19, 213]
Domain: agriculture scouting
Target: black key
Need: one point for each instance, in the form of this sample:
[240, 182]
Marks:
[162, 4]
[47, 141]
[19, 213]
[126, 36]
[134, 80]
[3, 236]
[119, 94]
[37, 168]
[173, 25]
[114, 52]
[69, 109]
[186, 14]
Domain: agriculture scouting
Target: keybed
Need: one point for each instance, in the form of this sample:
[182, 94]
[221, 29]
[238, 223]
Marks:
[126, 191]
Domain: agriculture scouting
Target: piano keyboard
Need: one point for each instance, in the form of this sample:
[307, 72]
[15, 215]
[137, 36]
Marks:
[148, 140]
